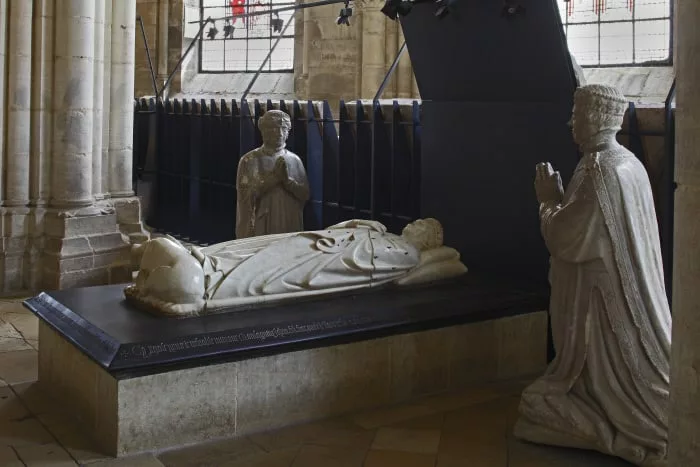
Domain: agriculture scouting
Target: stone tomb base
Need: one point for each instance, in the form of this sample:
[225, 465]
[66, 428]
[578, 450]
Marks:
[135, 387]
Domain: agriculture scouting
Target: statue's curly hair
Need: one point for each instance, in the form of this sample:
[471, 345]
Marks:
[436, 236]
[273, 118]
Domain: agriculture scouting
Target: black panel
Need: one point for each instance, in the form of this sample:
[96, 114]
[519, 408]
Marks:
[484, 193]
[124, 340]
[497, 95]
[476, 54]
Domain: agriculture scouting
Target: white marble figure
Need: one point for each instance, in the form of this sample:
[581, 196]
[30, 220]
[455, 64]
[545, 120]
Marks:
[355, 254]
[608, 386]
[271, 183]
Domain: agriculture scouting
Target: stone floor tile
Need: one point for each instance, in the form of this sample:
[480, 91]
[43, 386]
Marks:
[19, 366]
[524, 454]
[405, 440]
[377, 458]
[456, 450]
[146, 460]
[342, 433]
[7, 330]
[282, 458]
[461, 399]
[333, 432]
[513, 387]
[324, 456]
[285, 438]
[26, 323]
[34, 398]
[72, 437]
[49, 455]
[483, 421]
[390, 415]
[511, 405]
[11, 406]
[475, 435]
[211, 454]
[428, 422]
[13, 306]
[23, 432]
[11, 344]
[8, 457]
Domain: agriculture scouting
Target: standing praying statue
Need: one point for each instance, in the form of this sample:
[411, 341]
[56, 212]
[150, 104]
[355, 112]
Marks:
[271, 183]
[608, 386]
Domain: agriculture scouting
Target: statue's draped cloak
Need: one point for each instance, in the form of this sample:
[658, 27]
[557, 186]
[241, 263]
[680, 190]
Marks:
[334, 258]
[608, 385]
[280, 208]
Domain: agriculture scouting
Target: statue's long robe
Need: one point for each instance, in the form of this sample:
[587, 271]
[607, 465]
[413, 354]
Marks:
[278, 209]
[608, 387]
[304, 263]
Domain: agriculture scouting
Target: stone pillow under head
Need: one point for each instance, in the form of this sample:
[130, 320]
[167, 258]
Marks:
[435, 264]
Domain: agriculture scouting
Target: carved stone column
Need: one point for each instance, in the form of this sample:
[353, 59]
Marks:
[51, 54]
[176, 10]
[106, 97]
[3, 68]
[19, 72]
[41, 106]
[71, 183]
[373, 47]
[684, 420]
[43, 46]
[121, 112]
[121, 120]
[163, 23]
[82, 242]
[391, 47]
[98, 99]
[16, 152]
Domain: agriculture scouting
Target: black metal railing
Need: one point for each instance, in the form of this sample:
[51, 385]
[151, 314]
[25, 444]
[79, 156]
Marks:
[364, 164]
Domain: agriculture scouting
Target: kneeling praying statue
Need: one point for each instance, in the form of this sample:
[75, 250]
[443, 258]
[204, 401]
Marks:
[242, 273]
[608, 386]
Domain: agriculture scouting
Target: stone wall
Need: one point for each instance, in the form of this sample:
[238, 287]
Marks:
[340, 62]
[67, 210]
[335, 62]
[331, 61]
[163, 24]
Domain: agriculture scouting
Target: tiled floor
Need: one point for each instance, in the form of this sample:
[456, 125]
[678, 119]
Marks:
[470, 429]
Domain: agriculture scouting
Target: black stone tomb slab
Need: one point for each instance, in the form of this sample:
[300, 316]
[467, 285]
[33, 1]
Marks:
[129, 342]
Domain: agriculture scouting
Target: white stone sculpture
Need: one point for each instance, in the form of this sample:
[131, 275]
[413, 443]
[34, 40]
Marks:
[608, 386]
[354, 254]
[271, 183]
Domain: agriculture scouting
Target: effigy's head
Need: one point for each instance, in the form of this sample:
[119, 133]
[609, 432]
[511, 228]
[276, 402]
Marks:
[168, 272]
[597, 108]
[424, 234]
[274, 126]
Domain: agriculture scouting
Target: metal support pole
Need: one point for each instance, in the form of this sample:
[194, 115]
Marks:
[148, 54]
[390, 72]
[277, 10]
[182, 58]
[668, 187]
[269, 54]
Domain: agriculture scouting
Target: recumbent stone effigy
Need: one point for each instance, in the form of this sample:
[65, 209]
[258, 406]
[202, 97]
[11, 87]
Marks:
[352, 255]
